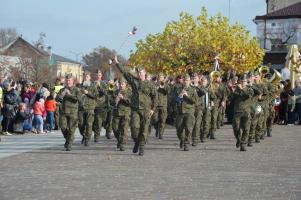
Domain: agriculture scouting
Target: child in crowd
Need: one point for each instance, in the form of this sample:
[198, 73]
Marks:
[20, 118]
[38, 111]
[50, 107]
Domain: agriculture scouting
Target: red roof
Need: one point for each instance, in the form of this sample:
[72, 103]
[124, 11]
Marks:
[293, 11]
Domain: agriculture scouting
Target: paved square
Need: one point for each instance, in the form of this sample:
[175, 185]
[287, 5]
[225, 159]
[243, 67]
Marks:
[214, 170]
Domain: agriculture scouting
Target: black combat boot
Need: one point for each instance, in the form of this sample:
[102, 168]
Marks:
[262, 136]
[269, 134]
[96, 139]
[257, 139]
[83, 140]
[186, 148]
[141, 150]
[237, 144]
[66, 144]
[243, 147]
[194, 143]
[122, 148]
[181, 145]
[250, 144]
[86, 143]
[212, 137]
[160, 136]
[136, 147]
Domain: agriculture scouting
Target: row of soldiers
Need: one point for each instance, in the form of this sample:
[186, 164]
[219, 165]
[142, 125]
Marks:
[198, 104]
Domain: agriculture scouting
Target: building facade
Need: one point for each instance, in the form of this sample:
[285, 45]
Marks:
[279, 29]
[36, 64]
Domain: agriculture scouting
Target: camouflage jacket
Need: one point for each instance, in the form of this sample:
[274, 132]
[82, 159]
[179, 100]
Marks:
[70, 102]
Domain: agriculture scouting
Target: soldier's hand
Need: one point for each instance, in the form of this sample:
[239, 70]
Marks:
[86, 91]
[120, 96]
[116, 60]
[151, 113]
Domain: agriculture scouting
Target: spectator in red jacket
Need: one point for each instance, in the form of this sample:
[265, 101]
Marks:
[50, 106]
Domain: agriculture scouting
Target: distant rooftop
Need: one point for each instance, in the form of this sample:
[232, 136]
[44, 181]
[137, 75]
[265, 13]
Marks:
[293, 11]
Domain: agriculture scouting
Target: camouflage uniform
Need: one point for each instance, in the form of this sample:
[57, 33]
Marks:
[110, 107]
[69, 113]
[214, 98]
[143, 100]
[242, 105]
[121, 118]
[86, 112]
[185, 115]
[254, 114]
[198, 114]
[161, 112]
[222, 105]
[100, 109]
[270, 108]
[206, 120]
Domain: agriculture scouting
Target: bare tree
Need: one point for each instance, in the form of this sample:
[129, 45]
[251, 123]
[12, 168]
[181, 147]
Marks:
[7, 35]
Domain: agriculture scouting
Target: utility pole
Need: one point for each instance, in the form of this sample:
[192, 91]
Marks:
[229, 9]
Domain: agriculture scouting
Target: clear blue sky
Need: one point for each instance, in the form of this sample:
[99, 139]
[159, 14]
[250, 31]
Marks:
[80, 26]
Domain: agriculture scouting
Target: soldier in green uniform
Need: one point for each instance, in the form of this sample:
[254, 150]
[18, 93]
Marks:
[69, 97]
[270, 108]
[110, 107]
[100, 111]
[121, 114]
[256, 109]
[58, 86]
[161, 112]
[143, 103]
[206, 119]
[222, 102]
[199, 107]
[242, 105]
[260, 127]
[86, 108]
[186, 99]
[214, 101]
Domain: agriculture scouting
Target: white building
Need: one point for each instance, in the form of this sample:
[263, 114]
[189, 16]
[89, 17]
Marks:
[277, 30]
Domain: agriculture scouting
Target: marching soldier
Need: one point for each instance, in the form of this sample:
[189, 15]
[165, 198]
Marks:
[100, 111]
[161, 112]
[242, 105]
[256, 109]
[143, 103]
[110, 106]
[199, 107]
[186, 99]
[69, 97]
[214, 101]
[121, 114]
[86, 108]
[222, 103]
[206, 120]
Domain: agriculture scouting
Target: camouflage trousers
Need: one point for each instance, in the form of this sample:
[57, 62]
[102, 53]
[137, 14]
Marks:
[206, 123]
[159, 120]
[241, 125]
[140, 121]
[85, 123]
[220, 116]
[99, 118]
[68, 127]
[198, 115]
[185, 122]
[213, 123]
[120, 127]
[270, 118]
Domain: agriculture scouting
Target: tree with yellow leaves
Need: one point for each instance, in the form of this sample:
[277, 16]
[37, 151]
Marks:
[191, 44]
